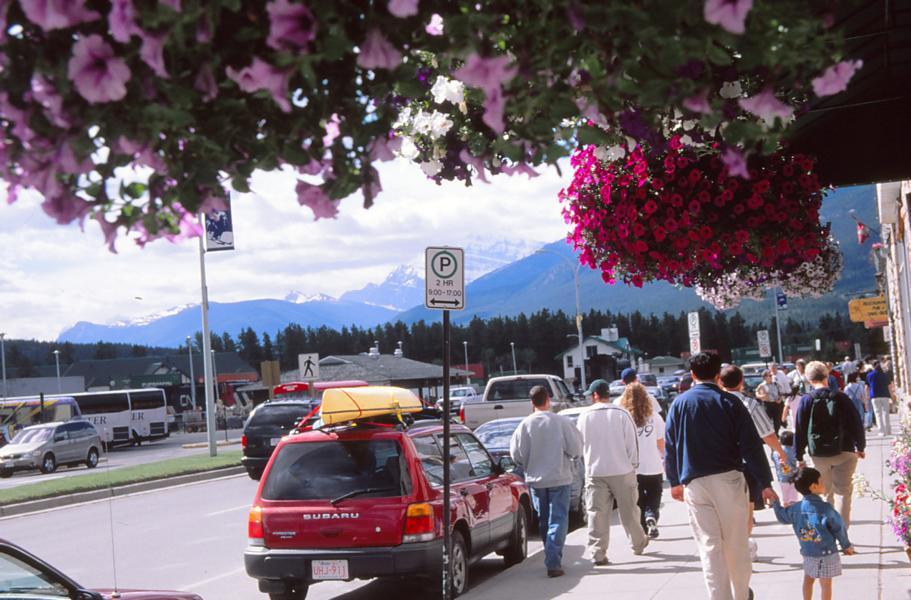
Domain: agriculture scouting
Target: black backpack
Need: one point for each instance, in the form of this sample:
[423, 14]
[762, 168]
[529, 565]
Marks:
[824, 430]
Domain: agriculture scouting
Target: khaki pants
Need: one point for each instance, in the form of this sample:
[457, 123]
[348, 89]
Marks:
[718, 506]
[599, 500]
[837, 477]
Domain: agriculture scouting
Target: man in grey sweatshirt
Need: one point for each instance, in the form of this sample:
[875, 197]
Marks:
[544, 446]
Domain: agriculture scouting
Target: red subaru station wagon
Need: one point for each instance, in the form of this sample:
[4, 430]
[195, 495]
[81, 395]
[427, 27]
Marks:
[364, 501]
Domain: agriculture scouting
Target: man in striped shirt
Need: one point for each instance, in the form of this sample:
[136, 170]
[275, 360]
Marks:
[732, 381]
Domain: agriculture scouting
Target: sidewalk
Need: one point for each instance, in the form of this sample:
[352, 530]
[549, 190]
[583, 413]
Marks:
[670, 568]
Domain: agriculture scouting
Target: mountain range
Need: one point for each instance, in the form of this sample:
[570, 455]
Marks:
[504, 278]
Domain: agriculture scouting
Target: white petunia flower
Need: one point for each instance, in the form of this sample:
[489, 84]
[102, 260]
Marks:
[431, 167]
[408, 148]
[447, 90]
[440, 124]
[731, 89]
[421, 123]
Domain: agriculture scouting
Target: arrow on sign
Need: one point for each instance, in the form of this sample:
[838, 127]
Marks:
[448, 302]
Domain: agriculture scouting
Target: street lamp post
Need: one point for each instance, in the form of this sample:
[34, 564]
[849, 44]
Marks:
[57, 360]
[467, 377]
[3, 362]
[575, 270]
[515, 369]
[192, 375]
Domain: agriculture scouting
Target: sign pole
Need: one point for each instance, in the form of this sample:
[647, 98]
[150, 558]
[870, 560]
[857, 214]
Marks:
[207, 352]
[447, 533]
[778, 329]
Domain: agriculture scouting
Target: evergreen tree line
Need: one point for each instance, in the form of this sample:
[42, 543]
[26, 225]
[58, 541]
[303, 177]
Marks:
[540, 337]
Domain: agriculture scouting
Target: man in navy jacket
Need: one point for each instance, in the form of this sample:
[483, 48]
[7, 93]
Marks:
[709, 441]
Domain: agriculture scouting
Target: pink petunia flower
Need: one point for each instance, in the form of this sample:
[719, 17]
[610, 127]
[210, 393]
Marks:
[98, 75]
[730, 15]
[332, 130]
[698, 103]
[64, 207]
[382, 150]
[835, 79]
[520, 169]
[766, 106]
[122, 20]
[493, 110]
[735, 162]
[57, 14]
[46, 95]
[205, 83]
[486, 73]
[291, 25]
[152, 52]
[260, 75]
[378, 53]
[435, 26]
[314, 197]
[403, 8]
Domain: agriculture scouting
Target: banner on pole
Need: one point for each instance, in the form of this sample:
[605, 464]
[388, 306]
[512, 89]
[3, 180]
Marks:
[765, 346]
[782, 300]
[219, 229]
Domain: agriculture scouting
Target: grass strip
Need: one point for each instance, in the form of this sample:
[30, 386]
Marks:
[101, 477]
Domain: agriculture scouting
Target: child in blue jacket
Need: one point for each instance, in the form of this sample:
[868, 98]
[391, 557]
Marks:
[820, 530]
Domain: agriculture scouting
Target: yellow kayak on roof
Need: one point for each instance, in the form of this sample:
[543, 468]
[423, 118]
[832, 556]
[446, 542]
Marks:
[350, 404]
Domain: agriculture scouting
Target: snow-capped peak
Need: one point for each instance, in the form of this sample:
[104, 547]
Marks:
[405, 276]
[301, 298]
[153, 317]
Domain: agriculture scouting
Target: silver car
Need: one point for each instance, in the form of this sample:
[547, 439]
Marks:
[49, 445]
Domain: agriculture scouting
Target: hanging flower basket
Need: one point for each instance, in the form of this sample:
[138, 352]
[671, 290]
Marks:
[682, 217]
[811, 279]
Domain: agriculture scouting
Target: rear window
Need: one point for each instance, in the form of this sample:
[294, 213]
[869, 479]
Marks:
[513, 389]
[648, 379]
[332, 469]
[279, 415]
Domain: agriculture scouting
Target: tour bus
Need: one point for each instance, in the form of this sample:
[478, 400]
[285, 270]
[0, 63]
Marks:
[126, 416]
[16, 413]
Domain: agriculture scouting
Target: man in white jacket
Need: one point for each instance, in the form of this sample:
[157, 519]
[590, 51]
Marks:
[611, 451]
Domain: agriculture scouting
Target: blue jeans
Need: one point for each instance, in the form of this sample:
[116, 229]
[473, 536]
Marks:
[552, 506]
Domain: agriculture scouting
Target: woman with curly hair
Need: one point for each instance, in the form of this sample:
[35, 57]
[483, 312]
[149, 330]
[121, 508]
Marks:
[650, 473]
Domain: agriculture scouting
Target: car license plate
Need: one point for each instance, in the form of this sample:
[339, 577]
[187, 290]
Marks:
[274, 441]
[329, 569]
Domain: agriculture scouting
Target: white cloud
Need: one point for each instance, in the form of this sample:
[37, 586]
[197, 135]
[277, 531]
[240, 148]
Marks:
[52, 276]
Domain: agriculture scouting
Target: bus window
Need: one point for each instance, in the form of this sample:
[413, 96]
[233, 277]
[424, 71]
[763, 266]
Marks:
[96, 404]
[146, 400]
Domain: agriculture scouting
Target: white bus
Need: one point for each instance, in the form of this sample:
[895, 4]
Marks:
[126, 416]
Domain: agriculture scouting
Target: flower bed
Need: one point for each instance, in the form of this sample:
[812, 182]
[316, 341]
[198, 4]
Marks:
[899, 498]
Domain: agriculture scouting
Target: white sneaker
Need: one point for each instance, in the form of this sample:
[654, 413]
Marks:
[754, 549]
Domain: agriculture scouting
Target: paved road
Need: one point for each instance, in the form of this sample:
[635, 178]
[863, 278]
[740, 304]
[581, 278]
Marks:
[189, 538]
[171, 447]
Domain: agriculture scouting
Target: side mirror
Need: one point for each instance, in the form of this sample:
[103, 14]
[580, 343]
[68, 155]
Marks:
[506, 464]
[88, 595]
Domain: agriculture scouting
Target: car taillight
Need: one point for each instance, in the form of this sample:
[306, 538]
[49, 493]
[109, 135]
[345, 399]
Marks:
[419, 525]
[243, 440]
[462, 413]
[255, 527]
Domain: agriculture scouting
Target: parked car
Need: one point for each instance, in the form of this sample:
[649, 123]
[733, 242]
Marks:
[668, 383]
[265, 426]
[495, 436]
[754, 368]
[345, 503]
[750, 383]
[509, 397]
[457, 395]
[686, 382]
[24, 575]
[49, 445]
[616, 388]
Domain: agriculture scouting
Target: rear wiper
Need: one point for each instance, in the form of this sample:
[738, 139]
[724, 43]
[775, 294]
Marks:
[353, 493]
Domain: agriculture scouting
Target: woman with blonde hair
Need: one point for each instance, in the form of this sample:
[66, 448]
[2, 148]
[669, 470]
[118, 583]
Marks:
[650, 472]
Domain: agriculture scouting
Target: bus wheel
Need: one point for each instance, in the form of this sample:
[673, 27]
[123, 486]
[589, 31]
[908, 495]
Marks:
[4, 473]
[91, 460]
[48, 463]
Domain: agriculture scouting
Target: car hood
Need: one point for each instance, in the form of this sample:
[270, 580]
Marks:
[147, 595]
[20, 448]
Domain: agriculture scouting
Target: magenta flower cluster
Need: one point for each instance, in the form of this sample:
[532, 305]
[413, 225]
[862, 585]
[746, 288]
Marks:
[682, 217]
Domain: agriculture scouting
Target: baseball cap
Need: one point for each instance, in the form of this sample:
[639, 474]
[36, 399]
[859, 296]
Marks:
[600, 386]
[628, 375]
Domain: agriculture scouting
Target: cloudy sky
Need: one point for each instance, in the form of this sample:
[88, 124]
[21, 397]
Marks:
[53, 276]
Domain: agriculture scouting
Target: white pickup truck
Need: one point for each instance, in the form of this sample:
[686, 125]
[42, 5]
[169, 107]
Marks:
[509, 397]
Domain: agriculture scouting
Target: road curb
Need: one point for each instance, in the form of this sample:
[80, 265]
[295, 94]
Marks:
[206, 444]
[110, 492]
